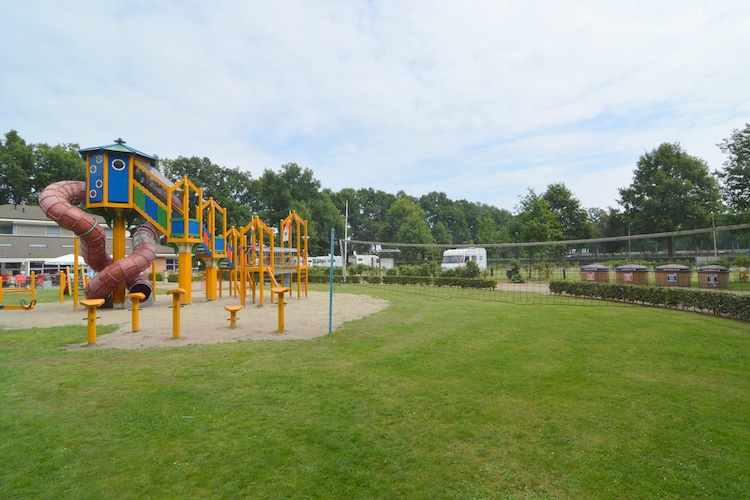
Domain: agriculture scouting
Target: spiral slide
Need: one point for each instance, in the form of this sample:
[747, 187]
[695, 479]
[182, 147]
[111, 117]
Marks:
[58, 199]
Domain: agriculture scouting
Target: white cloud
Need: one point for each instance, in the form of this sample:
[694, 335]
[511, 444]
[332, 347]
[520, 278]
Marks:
[479, 99]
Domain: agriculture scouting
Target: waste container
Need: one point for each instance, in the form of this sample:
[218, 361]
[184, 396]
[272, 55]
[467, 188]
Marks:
[673, 275]
[631, 274]
[598, 273]
[713, 277]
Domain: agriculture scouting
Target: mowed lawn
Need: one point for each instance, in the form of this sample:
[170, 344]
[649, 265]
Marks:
[430, 398]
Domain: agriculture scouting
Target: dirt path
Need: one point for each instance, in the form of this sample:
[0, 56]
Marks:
[204, 322]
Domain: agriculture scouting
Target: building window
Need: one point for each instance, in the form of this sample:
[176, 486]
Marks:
[37, 245]
[172, 265]
[53, 230]
[6, 228]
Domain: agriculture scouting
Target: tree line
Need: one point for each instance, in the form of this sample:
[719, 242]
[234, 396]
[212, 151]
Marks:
[671, 190]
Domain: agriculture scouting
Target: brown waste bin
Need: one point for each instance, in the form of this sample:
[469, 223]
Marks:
[713, 277]
[673, 275]
[631, 274]
[597, 273]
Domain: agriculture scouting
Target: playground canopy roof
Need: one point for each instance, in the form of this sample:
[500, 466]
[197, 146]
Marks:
[119, 146]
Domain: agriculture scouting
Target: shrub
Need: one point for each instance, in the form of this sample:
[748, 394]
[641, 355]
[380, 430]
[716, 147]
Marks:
[724, 304]
[514, 273]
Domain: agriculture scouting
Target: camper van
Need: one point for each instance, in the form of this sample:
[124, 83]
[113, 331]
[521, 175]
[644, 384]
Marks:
[457, 257]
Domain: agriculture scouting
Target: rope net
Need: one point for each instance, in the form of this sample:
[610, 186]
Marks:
[520, 273]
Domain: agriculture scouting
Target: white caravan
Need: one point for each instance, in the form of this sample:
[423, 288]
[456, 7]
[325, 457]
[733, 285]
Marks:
[324, 260]
[457, 257]
[366, 259]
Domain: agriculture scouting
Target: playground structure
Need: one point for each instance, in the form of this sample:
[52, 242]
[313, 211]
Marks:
[260, 259]
[124, 185]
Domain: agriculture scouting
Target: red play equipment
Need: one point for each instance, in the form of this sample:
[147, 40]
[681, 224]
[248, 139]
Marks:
[57, 202]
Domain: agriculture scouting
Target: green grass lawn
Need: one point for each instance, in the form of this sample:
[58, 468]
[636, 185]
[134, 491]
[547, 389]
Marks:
[430, 398]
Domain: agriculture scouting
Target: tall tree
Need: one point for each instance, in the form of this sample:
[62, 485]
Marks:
[405, 223]
[16, 170]
[487, 232]
[323, 215]
[444, 214]
[567, 208]
[535, 221]
[671, 191]
[735, 174]
[612, 224]
[56, 163]
[230, 188]
[291, 188]
[367, 211]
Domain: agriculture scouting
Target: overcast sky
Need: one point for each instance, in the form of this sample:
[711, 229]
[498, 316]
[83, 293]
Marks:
[481, 100]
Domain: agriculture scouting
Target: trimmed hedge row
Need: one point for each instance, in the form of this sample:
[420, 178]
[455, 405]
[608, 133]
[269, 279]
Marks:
[719, 303]
[408, 280]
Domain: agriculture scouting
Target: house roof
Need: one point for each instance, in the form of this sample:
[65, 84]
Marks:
[22, 212]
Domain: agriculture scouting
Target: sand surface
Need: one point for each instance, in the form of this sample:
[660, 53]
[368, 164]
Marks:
[202, 321]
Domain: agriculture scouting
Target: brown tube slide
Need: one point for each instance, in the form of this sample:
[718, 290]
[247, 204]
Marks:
[58, 199]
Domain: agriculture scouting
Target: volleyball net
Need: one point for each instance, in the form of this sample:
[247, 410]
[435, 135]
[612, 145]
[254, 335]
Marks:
[520, 273]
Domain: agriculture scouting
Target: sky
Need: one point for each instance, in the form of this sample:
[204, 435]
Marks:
[482, 100]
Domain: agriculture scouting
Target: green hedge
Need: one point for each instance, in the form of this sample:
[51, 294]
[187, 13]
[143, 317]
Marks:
[408, 280]
[725, 304]
[465, 282]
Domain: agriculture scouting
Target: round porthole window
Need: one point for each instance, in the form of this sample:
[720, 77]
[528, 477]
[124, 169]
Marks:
[118, 164]
[99, 158]
[92, 193]
[92, 168]
[99, 183]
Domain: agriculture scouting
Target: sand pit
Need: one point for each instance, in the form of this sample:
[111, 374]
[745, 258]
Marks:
[202, 321]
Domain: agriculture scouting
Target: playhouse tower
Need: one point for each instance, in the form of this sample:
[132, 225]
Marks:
[109, 187]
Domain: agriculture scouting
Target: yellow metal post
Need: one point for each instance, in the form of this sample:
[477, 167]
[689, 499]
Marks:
[211, 277]
[74, 282]
[279, 290]
[136, 298]
[62, 279]
[233, 314]
[176, 294]
[91, 305]
[185, 264]
[118, 252]
[32, 284]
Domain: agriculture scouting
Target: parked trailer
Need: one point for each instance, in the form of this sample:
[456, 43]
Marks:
[324, 261]
[458, 257]
[363, 259]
